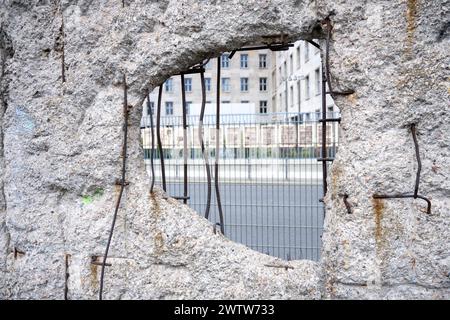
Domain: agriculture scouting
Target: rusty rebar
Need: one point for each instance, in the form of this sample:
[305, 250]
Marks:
[202, 145]
[152, 151]
[216, 164]
[158, 139]
[122, 187]
[194, 70]
[327, 54]
[402, 196]
[271, 47]
[185, 155]
[327, 63]
[419, 163]
[66, 276]
[324, 133]
[415, 195]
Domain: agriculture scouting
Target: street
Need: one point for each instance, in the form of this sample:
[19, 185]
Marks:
[283, 220]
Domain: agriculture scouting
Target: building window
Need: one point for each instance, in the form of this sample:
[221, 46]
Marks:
[151, 108]
[225, 101]
[226, 85]
[188, 106]
[168, 85]
[307, 88]
[291, 64]
[306, 51]
[285, 70]
[299, 95]
[298, 57]
[262, 84]
[208, 84]
[225, 60]
[263, 106]
[169, 108]
[188, 84]
[244, 61]
[244, 84]
[245, 101]
[263, 61]
[280, 78]
[318, 81]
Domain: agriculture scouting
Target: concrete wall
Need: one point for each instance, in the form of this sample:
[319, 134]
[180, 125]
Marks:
[62, 143]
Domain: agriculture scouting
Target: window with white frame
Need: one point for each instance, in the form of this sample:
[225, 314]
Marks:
[263, 61]
[244, 61]
[188, 84]
[225, 61]
[244, 84]
[280, 75]
[318, 81]
[208, 84]
[298, 57]
[307, 87]
[168, 85]
[306, 51]
[169, 108]
[151, 108]
[226, 86]
[291, 64]
[263, 106]
[188, 106]
[262, 84]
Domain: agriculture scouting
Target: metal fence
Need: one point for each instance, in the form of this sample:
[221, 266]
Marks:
[270, 179]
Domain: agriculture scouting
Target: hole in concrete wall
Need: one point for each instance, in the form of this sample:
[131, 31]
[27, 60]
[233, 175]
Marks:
[270, 141]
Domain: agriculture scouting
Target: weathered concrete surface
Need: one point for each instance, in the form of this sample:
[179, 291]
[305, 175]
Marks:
[62, 143]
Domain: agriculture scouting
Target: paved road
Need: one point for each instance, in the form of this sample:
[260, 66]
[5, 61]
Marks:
[283, 220]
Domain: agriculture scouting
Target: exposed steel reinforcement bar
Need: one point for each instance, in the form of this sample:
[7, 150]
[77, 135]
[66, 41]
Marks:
[185, 155]
[158, 140]
[415, 195]
[216, 164]
[202, 145]
[152, 150]
[122, 186]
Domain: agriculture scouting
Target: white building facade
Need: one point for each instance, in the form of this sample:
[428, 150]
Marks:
[297, 81]
[253, 82]
[245, 83]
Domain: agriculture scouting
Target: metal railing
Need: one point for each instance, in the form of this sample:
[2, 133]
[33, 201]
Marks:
[270, 179]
